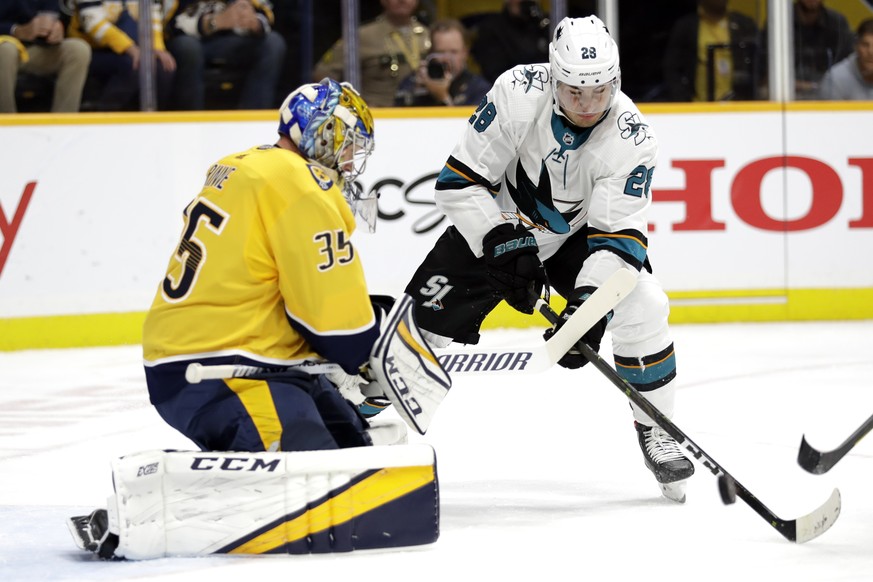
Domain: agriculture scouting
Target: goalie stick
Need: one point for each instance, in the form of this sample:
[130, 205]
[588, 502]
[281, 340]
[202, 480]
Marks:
[798, 530]
[475, 360]
[820, 462]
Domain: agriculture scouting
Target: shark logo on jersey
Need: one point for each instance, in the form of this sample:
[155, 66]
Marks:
[535, 200]
[631, 127]
[322, 178]
[531, 77]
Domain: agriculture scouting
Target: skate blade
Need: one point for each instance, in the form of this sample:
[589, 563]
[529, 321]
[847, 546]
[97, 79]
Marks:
[674, 491]
[75, 525]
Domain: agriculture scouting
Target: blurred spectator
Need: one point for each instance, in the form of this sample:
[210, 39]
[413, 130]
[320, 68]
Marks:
[389, 48]
[110, 27]
[307, 45]
[517, 35]
[235, 36]
[32, 41]
[643, 33]
[443, 78]
[712, 46]
[852, 78]
[822, 37]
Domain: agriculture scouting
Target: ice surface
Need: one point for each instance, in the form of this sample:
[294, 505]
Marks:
[540, 476]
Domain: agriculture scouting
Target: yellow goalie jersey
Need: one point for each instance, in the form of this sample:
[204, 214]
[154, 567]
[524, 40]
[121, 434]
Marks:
[264, 274]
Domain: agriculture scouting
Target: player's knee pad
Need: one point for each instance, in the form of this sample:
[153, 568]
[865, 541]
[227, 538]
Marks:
[639, 326]
[642, 348]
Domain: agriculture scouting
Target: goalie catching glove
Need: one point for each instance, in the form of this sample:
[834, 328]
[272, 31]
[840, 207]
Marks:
[514, 269]
[574, 359]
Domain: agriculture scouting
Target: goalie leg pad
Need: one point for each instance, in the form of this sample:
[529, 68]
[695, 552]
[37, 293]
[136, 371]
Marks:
[407, 369]
[201, 503]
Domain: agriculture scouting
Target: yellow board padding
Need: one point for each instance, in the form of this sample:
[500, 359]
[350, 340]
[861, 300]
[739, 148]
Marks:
[384, 486]
[759, 305]
[160, 117]
[124, 118]
[71, 331]
[734, 306]
[784, 305]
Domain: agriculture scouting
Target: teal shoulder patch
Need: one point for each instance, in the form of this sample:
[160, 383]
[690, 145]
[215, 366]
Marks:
[321, 177]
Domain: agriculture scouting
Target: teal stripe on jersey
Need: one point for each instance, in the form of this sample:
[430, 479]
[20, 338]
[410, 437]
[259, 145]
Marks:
[455, 176]
[629, 249]
[450, 177]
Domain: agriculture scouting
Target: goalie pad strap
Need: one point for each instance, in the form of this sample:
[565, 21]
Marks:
[200, 503]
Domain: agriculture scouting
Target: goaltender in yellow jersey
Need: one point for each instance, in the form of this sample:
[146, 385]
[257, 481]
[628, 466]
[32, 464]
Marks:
[265, 275]
[234, 283]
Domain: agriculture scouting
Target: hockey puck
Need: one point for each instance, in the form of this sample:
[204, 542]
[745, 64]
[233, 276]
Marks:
[727, 487]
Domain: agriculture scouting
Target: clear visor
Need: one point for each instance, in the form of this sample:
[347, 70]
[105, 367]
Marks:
[364, 205]
[353, 154]
[585, 100]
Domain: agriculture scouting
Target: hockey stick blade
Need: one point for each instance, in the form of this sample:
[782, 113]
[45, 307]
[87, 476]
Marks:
[467, 360]
[614, 289]
[820, 462]
[798, 530]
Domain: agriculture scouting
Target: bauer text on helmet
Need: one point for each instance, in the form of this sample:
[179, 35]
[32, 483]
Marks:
[583, 59]
[330, 124]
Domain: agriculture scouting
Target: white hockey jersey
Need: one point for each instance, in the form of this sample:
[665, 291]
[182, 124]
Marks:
[520, 161]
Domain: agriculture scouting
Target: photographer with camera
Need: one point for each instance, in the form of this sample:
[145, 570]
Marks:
[518, 35]
[389, 48]
[443, 78]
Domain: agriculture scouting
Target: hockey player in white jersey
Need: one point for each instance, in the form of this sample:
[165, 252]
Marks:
[550, 185]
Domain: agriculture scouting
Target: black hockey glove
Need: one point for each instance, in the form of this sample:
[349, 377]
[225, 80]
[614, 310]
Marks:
[514, 269]
[574, 359]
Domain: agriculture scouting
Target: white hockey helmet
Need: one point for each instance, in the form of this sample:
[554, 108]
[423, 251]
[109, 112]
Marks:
[583, 58]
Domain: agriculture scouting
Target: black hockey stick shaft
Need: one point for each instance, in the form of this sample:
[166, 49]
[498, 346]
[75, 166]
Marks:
[820, 462]
[814, 524]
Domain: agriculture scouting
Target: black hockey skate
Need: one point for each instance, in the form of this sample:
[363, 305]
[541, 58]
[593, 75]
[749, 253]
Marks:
[664, 458]
[91, 533]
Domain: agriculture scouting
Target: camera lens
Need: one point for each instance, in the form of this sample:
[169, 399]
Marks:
[435, 69]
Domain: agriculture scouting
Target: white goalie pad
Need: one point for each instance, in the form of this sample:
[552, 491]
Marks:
[404, 365]
[180, 503]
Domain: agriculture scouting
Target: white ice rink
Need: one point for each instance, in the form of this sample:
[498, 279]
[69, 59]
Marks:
[541, 477]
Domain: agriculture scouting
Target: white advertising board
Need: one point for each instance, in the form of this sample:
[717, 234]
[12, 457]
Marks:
[745, 200]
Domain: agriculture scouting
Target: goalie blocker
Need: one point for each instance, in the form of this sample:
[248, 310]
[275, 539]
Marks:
[406, 368]
[265, 503]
